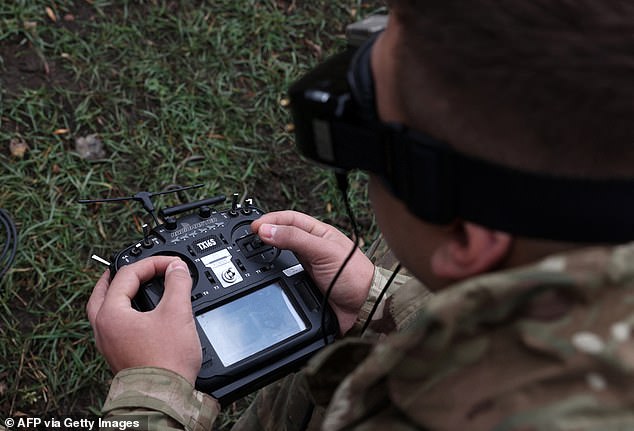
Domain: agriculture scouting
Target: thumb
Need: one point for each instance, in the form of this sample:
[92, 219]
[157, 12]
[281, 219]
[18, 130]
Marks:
[178, 288]
[291, 238]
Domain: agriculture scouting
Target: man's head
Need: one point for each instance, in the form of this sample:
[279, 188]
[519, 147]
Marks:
[541, 86]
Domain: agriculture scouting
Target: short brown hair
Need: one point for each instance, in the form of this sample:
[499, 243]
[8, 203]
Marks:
[553, 79]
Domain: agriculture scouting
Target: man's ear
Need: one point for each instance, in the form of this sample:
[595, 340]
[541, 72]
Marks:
[471, 249]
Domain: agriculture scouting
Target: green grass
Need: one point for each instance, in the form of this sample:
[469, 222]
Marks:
[179, 93]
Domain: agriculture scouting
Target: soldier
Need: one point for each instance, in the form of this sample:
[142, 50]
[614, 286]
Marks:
[530, 323]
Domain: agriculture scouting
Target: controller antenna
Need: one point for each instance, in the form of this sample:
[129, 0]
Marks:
[144, 197]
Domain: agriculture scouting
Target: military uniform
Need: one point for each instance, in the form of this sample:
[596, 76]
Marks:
[548, 346]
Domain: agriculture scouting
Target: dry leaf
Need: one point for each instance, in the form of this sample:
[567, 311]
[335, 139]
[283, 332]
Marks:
[213, 135]
[60, 131]
[18, 147]
[51, 14]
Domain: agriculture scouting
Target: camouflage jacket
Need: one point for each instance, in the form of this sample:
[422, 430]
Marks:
[543, 347]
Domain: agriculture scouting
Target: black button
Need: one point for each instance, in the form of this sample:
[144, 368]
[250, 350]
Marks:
[170, 223]
[204, 212]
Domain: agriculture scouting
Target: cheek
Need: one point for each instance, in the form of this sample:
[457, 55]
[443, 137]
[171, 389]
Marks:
[412, 241]
[392, 218]
[385, 209]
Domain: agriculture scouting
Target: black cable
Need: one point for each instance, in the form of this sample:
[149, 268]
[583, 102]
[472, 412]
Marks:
[342, 184]
[379, 298]
[10, 245]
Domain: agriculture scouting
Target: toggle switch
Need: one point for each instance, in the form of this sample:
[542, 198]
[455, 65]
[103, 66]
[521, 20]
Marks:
[234, 205]
[147, 242]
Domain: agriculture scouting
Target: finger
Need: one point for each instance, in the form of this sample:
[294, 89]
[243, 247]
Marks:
[126, 282]
[296, 239]
[296, 219]
[178, 288]
[97, 296]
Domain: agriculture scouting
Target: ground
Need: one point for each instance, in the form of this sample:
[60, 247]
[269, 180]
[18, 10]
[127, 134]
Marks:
[174, 93]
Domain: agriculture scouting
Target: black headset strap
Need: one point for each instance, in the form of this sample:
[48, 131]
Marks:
[440, 185]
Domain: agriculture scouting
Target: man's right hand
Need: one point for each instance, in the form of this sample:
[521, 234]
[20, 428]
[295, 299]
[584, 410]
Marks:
[321, 249]
[165, 337]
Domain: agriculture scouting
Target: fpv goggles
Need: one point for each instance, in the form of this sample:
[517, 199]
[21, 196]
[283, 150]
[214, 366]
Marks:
[337, 125]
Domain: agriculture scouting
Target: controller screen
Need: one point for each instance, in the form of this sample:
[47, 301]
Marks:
[251, 323]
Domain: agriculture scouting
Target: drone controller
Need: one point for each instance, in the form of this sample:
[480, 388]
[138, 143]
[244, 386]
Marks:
[257, 313]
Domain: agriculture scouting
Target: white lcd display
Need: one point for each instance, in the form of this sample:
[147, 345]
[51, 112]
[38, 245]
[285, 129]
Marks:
[250, 324]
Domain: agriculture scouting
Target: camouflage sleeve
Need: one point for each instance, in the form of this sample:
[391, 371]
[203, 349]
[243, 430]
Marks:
[166, 399]
[380, 279]
[393, 311]
[285, 405]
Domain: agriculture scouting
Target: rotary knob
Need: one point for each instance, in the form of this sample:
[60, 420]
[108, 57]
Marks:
[204, 212]
[170, 223]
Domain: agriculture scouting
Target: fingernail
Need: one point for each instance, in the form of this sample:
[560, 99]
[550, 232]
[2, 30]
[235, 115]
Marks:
[267, 231]
[176, 265]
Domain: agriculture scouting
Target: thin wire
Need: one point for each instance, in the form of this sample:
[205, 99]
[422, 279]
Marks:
[9, 248]
[7, 243]
[379, 298]
[342, 183]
